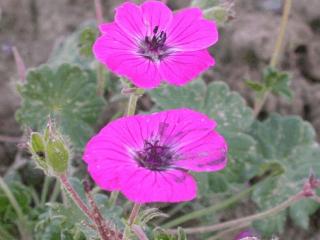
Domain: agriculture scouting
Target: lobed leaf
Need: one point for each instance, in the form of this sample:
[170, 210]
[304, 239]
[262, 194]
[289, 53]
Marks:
[67, 95]
[289, 144]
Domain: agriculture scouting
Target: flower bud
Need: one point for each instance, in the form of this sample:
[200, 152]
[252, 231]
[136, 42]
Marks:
[57, 155]
[49, 150]
[37, 148]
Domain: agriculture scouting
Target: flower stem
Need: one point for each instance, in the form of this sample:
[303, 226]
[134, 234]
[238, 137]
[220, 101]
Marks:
[22, 223]
[208, 210]
[132, 105]
[222, 234]
[98, 9]
[74, 195]
[113, 198]
[134, 213]
[10, 139]
[100, 80]
[248, 220]
[45, 189]
[259, 102]
[104, 230]
[55, 192]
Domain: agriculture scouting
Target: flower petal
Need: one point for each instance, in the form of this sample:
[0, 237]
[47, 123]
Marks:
[144, 186]
[142, 72]
[156, 13]
[192, 137]
[188, 31]
[208, 153]
[129, 18]
[119, 53]
[106, 158]
[181, 67]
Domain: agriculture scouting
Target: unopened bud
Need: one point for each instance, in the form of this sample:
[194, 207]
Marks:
[220, 13]
[37, 148]
[49, 150]
[57, 155]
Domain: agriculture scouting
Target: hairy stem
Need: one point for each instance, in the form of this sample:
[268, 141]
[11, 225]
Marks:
[259, 102]
[100, 80]
[105, 232]
[137, 230]
[74, 195]
[21, 67]
[132, 105]
[10, 139]
[55, 192]
[133, 215]
[247, 220]
[113, 198]
[208, 210]
[98, 9]
[45, 190]
[222, 234]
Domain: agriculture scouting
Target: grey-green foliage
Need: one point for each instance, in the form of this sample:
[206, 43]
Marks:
[289, 143]
[65, 94]
[215, 10]
[215, 99]
[204, 3]
[234, 118]
[274, 81]
[74, 49]
[67, 219]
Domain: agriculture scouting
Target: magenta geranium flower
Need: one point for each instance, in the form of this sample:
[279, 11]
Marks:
[148, 157]
[149, 44]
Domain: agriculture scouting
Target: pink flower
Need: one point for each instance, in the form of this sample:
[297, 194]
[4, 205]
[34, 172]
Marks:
[248, 234]
[149, 44]
[147, 157]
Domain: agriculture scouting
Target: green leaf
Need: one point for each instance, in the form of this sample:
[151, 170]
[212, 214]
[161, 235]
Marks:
[74, 49]
[278, 82]
[228, 109]
[66, 95]
[87, 38]
[287, 146]
[216, 100]
[204, 3]
[257, 87]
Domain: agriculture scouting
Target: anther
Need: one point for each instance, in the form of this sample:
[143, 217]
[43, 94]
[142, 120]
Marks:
[155, 30]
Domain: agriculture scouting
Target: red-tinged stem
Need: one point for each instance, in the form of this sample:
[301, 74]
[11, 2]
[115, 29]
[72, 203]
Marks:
[20, 64]
[75, 196]
[99, 13]
[137, 230]
[104, 230]
[10, 139]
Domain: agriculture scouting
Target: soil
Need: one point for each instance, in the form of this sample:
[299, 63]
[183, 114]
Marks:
[244, 49]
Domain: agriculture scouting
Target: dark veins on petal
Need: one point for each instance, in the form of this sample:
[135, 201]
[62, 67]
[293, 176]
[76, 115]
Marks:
[154, 47]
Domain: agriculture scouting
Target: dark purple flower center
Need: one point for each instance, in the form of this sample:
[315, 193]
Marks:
[154, 156]
[153, 47]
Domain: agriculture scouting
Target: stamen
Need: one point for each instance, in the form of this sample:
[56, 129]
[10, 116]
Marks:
[154, 156]
[155, 30]
[153, 47]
